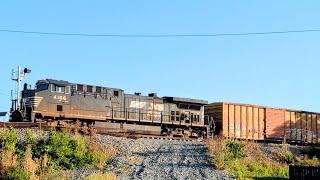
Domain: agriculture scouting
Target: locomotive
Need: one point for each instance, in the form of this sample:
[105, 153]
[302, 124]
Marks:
[66, 103]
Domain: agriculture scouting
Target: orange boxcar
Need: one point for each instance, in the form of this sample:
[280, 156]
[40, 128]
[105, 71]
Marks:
[244, 121]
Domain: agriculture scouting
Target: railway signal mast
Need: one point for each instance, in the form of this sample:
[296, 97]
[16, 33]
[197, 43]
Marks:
[15, 96]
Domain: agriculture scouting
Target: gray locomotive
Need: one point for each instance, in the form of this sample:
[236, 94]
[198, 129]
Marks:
[103, 107]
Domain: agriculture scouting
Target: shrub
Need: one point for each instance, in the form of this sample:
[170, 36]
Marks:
[306, 161]
[236, 148]
[245, 159]
[16, 173]
[65, 151]
[287, 157]
[36, 157]
[313, 151]
[10, 139]
[280, 171]
[71, 152]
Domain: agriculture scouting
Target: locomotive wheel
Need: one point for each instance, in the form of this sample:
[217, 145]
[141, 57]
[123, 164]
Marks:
[16, 116]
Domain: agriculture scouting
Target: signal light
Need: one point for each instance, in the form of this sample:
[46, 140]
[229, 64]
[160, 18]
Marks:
[26, 70]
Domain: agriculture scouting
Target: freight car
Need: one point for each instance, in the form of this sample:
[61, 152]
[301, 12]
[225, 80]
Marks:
[65, 104]
[243, 121]
[102, 107]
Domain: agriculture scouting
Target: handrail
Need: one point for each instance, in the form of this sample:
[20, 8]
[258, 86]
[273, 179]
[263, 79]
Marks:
[148, 115]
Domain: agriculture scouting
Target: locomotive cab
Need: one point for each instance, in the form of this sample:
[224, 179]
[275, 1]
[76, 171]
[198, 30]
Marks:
[57, 99]
[49, 99]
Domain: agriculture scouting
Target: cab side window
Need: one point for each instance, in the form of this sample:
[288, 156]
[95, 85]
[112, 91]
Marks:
[59, 89]
[53, 88]
[68, 90]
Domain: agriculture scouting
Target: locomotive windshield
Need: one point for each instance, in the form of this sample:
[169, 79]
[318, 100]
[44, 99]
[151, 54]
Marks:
[42, 87]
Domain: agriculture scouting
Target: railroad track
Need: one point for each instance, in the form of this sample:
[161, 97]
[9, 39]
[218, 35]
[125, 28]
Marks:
[169, 138]
[102, 131]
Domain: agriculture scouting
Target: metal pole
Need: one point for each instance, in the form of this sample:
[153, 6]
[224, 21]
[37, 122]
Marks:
[18, 88]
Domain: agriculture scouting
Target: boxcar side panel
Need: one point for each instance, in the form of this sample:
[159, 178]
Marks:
[303, 127]
[275, 123]
[250, 123]
[244, 133]
[293, 131]
[237, 123]
[231, 122]
[318, 128]
[288, 124]
[256, 122]
[309, 128]
[262, 119]
[225, 123]
[314, 128]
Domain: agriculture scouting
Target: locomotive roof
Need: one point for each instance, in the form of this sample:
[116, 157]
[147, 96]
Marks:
[185, 100]
[59, 83]
[67, 83]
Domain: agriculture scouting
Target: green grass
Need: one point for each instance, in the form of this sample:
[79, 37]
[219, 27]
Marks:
[249, 169]
[246, 160]
[57, 151]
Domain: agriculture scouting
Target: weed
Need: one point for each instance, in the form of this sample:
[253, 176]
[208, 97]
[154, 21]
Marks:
[42, 158]
[16, 173]
[10, 139]
[245, 159]
[8, 160]
[218, 151]
[236, 148]
[30, 165]
[306, 161]
[101, 153]
[287, 157]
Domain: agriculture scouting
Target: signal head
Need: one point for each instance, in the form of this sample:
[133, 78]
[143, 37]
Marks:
[26, 70]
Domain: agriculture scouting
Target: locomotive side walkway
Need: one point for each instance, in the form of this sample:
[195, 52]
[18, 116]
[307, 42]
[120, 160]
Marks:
[161, 159]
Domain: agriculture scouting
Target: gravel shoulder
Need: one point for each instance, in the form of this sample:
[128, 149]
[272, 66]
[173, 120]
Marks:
[152, 159]
[161, 159]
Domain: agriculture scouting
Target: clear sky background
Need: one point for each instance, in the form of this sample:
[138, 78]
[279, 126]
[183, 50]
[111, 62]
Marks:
[279, 70]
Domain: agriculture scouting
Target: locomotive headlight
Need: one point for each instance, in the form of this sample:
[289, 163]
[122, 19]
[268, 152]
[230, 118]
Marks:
[26, 70]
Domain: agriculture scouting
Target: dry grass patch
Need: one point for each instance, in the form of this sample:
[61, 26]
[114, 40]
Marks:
[102, 153]
[132, 159]
[30, 166]
[100, 176]
[218, 151]
[8, 159]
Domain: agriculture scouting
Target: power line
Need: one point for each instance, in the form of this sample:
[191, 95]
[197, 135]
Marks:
[4, 94]
[159, 35]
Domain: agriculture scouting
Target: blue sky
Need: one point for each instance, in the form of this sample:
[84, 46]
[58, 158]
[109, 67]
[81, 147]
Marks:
[280, 70]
